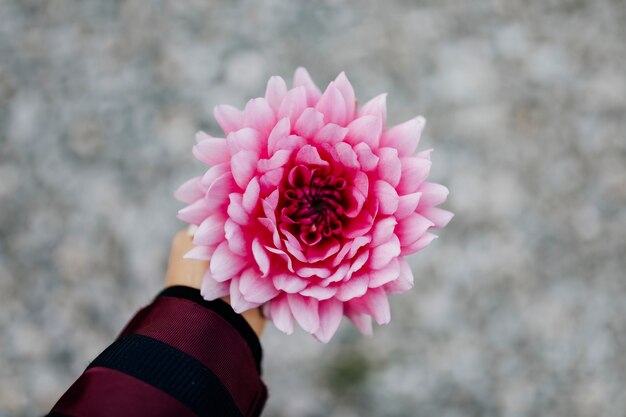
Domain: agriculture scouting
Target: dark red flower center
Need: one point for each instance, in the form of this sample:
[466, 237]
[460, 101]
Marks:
[313, 203]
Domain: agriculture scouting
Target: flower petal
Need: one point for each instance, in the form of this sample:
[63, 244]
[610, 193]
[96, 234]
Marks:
[280, 158]
[404, 282]
[211, 231]
[234, 236]
[291, 238]
[271, 179]
[361, 182]
[412, 228]
[305, 311]
[275, 92]
[225, 264]
[293, 104]
[345, 155]
[439, 217]
[236, 211]
[302, 78]
[308, 155]
[419, 244]
[211, 289]
[261, 257]
[322, 250]
[199, 253]
[331, 134]
[254, 288]
[309, 122]
[376, 106]
[383, 254]
[229, 118]
[243, 166]
[214, 173]
[319, 292]
[365, 129]
[307, 272]
[358, 225]
[332, 105]
[358, 243]
[289, 283]
[290, 143]
[246, 139]
[347, 91]
[269, 205]
[259, 115]
[389, 166]
[217, 194]
[386, 196]
[196, 212]
[378, 305]
[355, 287]
[271, 226]
[210, 150]
[190, 191]
[237, 302]
[330, 312]
[296, 251]
[338, 275]
[280, 131]
[366, 157]
[433, 194]
[281, 314]
[404, 137]
[358, 263]
[382, 230]
[357, 195]
[407, 205]
[361, 321]
[414, 172]
[284, 256]
[380, 277]
[251, 195]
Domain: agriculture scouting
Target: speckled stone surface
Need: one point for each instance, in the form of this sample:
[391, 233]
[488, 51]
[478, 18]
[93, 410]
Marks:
[518, 310]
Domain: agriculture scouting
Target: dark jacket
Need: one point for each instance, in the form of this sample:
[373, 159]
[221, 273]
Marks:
[179, 356]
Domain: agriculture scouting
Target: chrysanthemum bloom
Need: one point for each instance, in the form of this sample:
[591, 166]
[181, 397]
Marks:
[310, 205]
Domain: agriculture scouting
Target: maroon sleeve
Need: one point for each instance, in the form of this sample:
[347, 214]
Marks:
[179, 356]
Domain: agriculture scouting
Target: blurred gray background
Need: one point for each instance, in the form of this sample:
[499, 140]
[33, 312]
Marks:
[518, 310]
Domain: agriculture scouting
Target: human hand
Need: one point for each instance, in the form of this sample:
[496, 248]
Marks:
[189, 272]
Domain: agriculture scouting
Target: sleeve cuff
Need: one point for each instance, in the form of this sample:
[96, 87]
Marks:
[225, 311]
[212, 333]
[199, 354]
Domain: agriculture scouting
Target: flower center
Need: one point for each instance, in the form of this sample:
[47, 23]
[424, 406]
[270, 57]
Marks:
[313, 203]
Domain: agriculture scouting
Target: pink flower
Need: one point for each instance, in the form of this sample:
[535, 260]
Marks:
[310, 205]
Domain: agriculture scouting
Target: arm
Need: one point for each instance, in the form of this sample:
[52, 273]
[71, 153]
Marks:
[181, 355]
